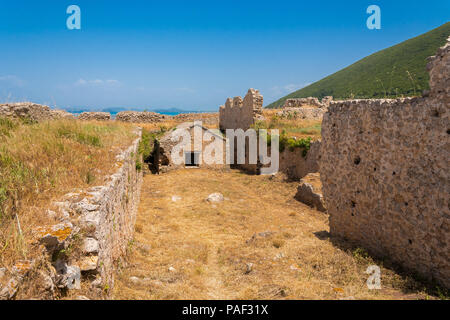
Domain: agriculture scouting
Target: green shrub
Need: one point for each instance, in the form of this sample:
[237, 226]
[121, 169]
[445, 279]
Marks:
[291, 143]
[138, 165]
[146, 145]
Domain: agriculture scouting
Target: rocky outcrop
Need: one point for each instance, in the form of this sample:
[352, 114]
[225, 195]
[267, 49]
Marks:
[385, 175]
[141, 117]
[238, 113]
[32, 111]
[98, 116]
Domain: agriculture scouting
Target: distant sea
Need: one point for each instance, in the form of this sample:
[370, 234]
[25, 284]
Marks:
[114, 112]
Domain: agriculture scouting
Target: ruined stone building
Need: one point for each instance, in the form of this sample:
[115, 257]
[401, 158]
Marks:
[238, 113]
[385, 174]
[190, 145]
[305, 108]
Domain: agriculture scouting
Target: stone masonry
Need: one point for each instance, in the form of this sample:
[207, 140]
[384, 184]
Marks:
[241, 113]
[99, 222]
[385, 174]
[308, 102]
[140, 117]
[98, 116]
[32, 111]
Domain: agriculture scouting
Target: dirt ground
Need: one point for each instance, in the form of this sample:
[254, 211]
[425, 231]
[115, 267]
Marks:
[259, 243]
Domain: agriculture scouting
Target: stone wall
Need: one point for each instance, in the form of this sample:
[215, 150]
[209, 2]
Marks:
[295, 165]
[98, 116]
[291, 162]
[32, 111]
[385, 174]
[95, 227]
[241, 113]
[302, 113]
[207, 118]
[141, 117]
[308, 102]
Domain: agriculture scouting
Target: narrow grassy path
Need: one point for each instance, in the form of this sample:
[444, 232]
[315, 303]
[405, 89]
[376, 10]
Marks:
[259, 243]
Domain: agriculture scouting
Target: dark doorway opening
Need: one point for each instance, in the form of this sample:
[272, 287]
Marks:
[191, 159]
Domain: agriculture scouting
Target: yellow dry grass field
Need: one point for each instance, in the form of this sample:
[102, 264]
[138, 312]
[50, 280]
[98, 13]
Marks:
[259, 243]
[40, 162]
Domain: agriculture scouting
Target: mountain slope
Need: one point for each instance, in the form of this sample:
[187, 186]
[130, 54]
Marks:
[396, 71]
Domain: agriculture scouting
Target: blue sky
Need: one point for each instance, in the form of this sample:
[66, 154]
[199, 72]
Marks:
[190, 54]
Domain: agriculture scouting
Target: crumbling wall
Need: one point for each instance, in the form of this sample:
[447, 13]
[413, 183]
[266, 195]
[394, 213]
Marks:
[93, 235]
[297, 166]
[308, 102]
[207, 118]
[98, 116]
[238, 113]
[291, 162]
[302, 113]
[32, 111]
[140, 117]
[385, 174]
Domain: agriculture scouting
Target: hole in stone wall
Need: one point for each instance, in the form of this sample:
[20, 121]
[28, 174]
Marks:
[410, 241]
[448, 131]
[394, 173]
[353, 204]
[357, 160]
[406, 203]
[435, 113]
[374, 169]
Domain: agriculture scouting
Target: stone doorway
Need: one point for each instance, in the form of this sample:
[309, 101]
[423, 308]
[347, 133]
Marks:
[192, 159]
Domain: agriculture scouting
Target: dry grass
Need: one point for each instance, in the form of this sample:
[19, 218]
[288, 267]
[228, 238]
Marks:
[42, 161]
[299, 128]
[210, 247]
[158, 126]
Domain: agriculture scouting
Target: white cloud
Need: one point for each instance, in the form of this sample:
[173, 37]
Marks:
[97, 82]
[12, 80]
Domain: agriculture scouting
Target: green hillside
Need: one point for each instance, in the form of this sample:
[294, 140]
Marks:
[393, 72]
